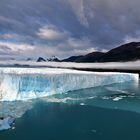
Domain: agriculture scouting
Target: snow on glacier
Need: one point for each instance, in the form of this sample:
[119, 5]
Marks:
[29, 83]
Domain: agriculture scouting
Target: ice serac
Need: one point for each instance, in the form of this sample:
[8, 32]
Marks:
[29, 83]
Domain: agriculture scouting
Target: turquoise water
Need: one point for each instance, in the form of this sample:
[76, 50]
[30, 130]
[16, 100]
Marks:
[103, 113]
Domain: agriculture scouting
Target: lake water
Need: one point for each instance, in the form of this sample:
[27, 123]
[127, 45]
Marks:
[102, 113]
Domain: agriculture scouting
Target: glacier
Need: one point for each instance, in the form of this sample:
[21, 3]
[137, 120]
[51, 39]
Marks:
[30, 83]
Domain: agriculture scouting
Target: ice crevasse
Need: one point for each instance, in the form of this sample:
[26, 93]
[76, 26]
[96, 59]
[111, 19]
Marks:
[29, 83]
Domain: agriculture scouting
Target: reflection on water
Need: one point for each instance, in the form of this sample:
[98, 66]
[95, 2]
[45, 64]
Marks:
[15, 109]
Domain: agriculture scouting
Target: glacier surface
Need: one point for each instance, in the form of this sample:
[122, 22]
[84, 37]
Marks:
[29, 83]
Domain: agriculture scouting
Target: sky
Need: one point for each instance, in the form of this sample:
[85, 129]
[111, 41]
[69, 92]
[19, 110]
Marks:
[62, 28]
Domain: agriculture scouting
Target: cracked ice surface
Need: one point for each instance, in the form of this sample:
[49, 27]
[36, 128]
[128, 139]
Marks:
[29, 83]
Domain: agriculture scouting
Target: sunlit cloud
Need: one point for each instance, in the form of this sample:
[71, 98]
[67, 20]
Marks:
[16, 47]
[50, 32]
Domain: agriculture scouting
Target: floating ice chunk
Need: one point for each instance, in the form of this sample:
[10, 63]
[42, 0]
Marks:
[82, 104]
[6, 123]
[13, 127]
[117, 98]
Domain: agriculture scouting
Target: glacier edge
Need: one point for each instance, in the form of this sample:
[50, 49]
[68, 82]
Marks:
[29, 83]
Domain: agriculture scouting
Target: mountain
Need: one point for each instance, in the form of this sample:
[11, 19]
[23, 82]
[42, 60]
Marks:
[71, 59]
[40, 59]
[53, 59]
[29, 59]
[126, 52]
[91, 57]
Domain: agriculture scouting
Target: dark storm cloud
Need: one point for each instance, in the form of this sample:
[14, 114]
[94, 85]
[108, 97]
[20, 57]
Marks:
[67, 27]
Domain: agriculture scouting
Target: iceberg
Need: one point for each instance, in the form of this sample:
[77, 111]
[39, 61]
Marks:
[30, 83]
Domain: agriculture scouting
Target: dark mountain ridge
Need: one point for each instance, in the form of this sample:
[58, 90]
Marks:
[71, 59]
[91, 57]
[126, 52]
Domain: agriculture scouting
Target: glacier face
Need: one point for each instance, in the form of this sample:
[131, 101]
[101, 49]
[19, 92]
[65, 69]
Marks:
[29, 83]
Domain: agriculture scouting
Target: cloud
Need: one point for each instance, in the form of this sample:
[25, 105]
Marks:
[79, 43]
[78, 7]
[7, 36]
[50, 32]
[134, 38]
[67, 27]
[15, 47]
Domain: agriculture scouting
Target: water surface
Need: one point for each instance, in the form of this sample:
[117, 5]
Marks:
[103, 113]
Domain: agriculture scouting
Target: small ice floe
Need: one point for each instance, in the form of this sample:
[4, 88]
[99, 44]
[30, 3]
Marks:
[82, 104]
[117, 98]
[6, 123]
[58, 100]
[13, 127]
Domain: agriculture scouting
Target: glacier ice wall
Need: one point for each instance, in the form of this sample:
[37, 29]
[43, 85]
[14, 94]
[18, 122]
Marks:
[29, 83]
